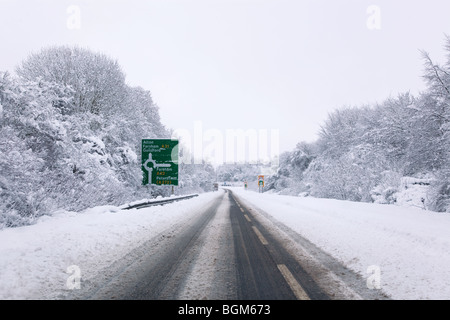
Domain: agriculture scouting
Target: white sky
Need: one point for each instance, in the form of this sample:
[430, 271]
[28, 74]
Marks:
[244, 64]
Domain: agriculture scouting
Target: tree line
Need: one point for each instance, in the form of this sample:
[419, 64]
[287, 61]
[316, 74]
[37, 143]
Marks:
[362, 153]
[70, 136]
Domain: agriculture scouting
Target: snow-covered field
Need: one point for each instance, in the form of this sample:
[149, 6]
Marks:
[409, 246]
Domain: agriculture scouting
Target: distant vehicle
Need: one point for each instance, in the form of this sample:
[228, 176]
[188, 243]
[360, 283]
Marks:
[216, 186]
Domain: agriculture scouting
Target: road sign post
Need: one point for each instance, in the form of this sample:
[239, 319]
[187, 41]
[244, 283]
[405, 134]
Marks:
[160, 162]
[261, 183]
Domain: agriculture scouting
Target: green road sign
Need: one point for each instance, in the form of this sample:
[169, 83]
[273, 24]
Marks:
[160, 161]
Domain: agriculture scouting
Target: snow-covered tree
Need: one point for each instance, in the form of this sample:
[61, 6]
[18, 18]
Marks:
[70, 136]
[97, 80]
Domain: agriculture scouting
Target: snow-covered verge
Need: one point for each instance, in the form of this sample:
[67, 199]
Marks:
[42, 261]
[409, 247]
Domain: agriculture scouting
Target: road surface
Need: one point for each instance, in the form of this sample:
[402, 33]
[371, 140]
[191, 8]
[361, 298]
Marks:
[227, 251]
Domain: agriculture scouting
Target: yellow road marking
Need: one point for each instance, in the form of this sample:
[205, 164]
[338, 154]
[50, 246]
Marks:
[242, 210]
[260, 236]
[293, 284]
[246, 217]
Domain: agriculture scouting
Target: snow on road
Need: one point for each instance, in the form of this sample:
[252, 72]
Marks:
[213, 275]
[34, 260]
[409, 246]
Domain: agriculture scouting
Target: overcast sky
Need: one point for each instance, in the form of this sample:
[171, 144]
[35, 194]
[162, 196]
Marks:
[247, 64]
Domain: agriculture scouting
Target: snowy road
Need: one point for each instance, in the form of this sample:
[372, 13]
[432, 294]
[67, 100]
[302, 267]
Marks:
[190, 260]
[221, 252]
[231, 244]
